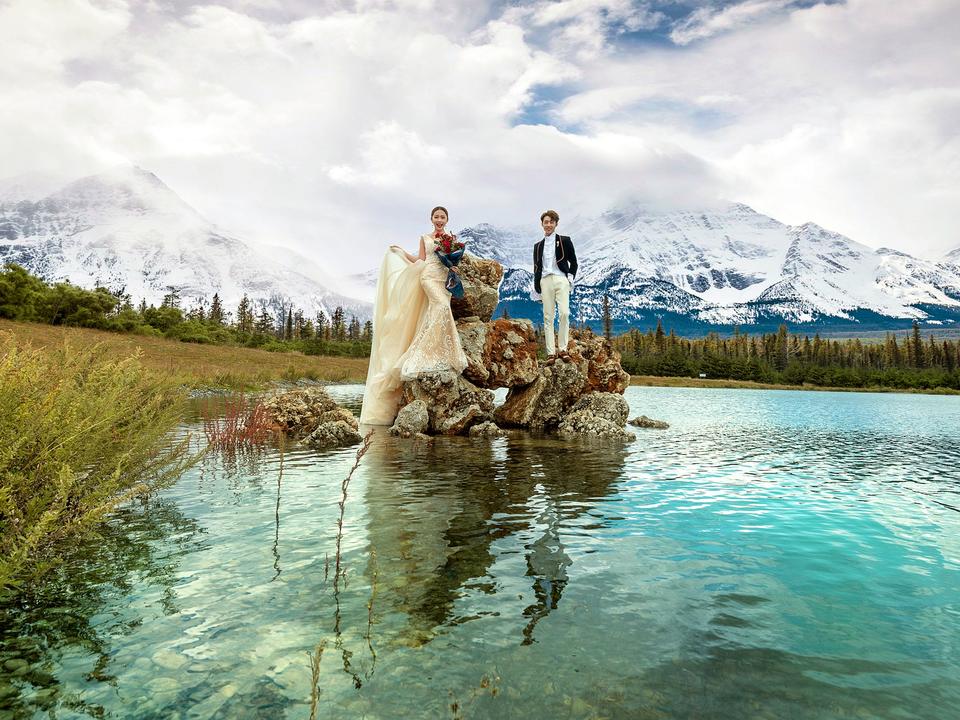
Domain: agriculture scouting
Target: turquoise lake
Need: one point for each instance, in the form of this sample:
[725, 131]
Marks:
[773, 554]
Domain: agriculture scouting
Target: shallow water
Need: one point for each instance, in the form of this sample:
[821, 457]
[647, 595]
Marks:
[771, 555]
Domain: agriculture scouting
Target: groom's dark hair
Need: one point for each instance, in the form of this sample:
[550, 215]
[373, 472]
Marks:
[551, 214]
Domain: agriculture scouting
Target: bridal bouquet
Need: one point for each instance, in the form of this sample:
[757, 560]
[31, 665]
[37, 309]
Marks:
[450, 251]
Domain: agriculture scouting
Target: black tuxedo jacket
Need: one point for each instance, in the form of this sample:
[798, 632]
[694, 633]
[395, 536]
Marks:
[563, 252]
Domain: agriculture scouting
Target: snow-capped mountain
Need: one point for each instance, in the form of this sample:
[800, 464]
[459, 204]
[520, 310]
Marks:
[952, 257]
[726, 266]
[127, 229]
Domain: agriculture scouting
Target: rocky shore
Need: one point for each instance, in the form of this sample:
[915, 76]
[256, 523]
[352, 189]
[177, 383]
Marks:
[579, 394]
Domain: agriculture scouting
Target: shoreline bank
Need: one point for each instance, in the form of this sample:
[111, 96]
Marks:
[211, 367]
[658, 381]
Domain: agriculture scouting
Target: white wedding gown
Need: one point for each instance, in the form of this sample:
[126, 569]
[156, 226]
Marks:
[413, 331]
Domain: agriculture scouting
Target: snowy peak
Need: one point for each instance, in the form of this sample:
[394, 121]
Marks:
[511, 247]
[126, 229]
[125, 191]
[731, 264]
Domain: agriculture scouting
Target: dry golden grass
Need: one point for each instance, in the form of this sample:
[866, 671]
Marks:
[657, 381]
[198, 365]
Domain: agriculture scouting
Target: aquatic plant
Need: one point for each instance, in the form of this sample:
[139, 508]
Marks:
[340, 574]
[240, 424]
[80, 432]
[315, 658]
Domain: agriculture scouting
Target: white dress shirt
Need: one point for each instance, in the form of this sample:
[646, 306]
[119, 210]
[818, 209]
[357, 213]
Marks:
[550, 266]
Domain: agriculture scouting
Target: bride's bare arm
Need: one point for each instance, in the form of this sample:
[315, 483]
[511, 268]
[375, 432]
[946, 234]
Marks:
[413, 258]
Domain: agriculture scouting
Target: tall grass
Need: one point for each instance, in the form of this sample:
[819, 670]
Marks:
[80, 432]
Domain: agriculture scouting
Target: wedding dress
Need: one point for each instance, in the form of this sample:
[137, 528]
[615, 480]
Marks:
[413, 331]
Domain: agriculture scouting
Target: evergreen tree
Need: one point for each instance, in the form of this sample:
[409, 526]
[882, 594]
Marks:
[367, 335]
[917, 347]
[245, 317]
[197, 312]
[264, 324]
[607, 319]
[338, 328]
[323, 326]
[172, 298]
[215, 316]
[781, 348]
[288, 325]
[298, 324]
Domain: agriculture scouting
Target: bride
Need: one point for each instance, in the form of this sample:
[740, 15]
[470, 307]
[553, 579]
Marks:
[413, 327]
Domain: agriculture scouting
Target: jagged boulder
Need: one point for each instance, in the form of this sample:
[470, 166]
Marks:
[339, 414]
[333, 434]
[644, 422]
[481, 288]
[600, 414]
[544, 402]
[609, 406]
[604, 372]
[412, 419]
[579, 424]
[453, 402]
[486, 430]
[299, 412]
[500, 353]
[311, 414]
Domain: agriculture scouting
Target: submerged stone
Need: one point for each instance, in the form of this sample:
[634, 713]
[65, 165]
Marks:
[644, 422]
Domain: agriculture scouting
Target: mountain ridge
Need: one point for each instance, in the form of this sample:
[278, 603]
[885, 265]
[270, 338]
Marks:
[125, 228]
[728, 266]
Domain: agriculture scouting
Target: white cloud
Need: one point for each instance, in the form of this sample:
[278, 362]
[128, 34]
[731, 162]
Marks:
[707, 21]
[334, 127]
[840, 114]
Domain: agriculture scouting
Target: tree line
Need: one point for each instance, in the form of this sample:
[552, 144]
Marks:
[913, 362]
[276, 325]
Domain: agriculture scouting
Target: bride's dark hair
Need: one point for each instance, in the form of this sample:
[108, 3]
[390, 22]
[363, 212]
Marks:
[439, 207]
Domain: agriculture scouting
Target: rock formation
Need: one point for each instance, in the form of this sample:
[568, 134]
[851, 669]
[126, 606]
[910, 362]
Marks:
[580, 394]
[314, 416]
[453, 403]
[481, 288]
[601, 414]
[501, 353]
[412, 419]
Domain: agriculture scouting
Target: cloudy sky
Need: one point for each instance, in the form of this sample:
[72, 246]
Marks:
[333, 126]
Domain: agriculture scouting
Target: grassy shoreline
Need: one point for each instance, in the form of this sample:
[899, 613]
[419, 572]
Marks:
[220, 366]
[195, 365]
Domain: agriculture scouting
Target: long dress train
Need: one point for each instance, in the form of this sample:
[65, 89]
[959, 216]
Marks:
[413, 331]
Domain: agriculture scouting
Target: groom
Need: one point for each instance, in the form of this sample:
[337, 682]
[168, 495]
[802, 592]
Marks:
[554, 268]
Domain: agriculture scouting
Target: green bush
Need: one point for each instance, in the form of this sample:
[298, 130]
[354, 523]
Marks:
[79, 433]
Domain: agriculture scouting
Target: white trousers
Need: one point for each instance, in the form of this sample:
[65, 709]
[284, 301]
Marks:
[556, 301]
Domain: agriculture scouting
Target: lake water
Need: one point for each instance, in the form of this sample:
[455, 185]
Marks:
[772, 555]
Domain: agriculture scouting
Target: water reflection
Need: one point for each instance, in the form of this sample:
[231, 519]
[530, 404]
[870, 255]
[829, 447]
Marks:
[436, 508]
[770, 556]
[77, 614]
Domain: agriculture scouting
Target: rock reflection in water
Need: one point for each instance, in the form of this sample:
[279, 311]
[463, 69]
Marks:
[436, 507]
